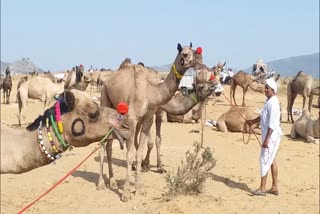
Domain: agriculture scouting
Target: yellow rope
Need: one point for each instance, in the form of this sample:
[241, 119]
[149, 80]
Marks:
[179, 76]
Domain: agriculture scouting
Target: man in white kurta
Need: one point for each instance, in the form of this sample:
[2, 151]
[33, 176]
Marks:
[271, 136]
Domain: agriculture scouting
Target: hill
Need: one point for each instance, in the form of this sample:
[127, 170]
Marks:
[286, 67]
[22, 66]
[290, 66]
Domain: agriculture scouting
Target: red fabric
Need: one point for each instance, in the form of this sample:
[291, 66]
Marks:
[199, 50]
[212, 77]
[122, 108]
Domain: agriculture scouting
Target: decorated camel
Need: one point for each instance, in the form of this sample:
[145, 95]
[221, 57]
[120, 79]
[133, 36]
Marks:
[36, 88]
[244, 80]
[304, 85]
[192, 116]
[307, 127]
[232, 121]
[74, 121]
[140, 88]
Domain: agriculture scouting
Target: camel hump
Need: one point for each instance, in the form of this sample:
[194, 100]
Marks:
[125, 62]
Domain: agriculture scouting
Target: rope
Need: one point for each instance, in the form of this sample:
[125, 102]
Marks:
[101, 142]
[245, 123]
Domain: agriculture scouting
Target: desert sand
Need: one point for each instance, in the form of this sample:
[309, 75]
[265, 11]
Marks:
[235, 174]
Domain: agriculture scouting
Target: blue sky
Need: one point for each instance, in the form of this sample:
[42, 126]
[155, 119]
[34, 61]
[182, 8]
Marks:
[59, 34]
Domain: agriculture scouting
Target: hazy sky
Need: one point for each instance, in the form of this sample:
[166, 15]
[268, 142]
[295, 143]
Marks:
[59, 34]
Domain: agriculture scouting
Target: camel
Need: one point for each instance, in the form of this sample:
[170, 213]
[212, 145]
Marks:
[180, 105]
[244, 80]
[7, 86]
[141, 89]
[307, 127]
[303, 85]
[231, 121]
[83, 121]
[192, 116]
[77, 80]
[37, 88]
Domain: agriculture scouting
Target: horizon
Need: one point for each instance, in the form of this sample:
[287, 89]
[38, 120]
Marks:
[102, 34]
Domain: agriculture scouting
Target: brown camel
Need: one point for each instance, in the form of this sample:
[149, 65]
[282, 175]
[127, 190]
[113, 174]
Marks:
[244, 80]
[84, 122]
[192, 116]
[77, 80]
[232, 121]
[36, 88]
[140, 88]
[303, 85]
[7, 86]
[180, 105]
[307, 127]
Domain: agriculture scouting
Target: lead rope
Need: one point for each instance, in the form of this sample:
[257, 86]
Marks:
[101, 142]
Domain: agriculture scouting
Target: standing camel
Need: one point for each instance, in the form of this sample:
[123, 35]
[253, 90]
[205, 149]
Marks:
[83, 121]
[140, 88]
[244, 80]
[37, 88]
[180, 105]
[303, 85]
[7, 86]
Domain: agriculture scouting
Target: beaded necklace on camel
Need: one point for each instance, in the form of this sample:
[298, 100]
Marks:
[58, 130]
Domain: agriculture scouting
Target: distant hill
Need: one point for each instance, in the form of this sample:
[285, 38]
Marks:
[286, 67]
[22, 66]
[290, 66]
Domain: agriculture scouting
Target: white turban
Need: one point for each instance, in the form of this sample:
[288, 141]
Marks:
[272, 84]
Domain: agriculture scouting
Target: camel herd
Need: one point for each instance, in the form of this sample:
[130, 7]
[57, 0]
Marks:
[147, 96]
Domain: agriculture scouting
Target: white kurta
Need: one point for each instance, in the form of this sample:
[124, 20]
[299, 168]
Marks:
[270, 118]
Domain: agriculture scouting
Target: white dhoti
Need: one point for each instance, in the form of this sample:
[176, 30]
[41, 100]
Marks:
[267, 155]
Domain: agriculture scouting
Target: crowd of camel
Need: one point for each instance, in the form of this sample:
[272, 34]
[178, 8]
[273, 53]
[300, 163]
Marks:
[147, 96]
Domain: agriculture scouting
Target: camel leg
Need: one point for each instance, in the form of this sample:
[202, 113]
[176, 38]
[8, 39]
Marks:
[233, 95]
[139, 155]
[221, 125]
[112, 181]
[158, 141]
[101, 183]
[290, 106]
[244, 96]
[310, 102]
[304, 102]
[130, 155]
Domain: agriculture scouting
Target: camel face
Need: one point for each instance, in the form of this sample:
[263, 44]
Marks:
[86, 122]
[187, 57]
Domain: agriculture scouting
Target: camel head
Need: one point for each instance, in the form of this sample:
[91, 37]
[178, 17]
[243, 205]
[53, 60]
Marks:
[83, 121]
[187, 58]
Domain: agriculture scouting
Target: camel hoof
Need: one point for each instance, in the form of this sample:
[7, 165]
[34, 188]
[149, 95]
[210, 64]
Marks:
[126, 196]
[113, 183]
[101, 184]
[133, 167]
[161, 170]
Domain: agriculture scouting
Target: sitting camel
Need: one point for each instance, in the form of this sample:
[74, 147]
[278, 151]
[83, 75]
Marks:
[83, 122]
[36, 88]
[232, 121]
[140, 88]
[307, 127]
[303, 85]
[244, 80]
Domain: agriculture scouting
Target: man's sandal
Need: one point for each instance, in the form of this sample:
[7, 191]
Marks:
[273, 192]
[258, 193]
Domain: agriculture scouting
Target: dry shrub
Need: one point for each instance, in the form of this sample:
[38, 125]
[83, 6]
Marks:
[191, 176]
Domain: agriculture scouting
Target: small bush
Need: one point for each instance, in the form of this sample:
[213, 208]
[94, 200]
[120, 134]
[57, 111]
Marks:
[191, 176]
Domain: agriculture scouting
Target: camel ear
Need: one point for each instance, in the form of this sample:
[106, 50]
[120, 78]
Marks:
[190, 44]
[179, 47]
[69, 99]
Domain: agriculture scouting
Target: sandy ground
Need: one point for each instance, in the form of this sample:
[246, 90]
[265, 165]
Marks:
[236, 172]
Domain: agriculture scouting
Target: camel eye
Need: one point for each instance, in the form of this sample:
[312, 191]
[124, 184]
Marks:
[93, 117]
